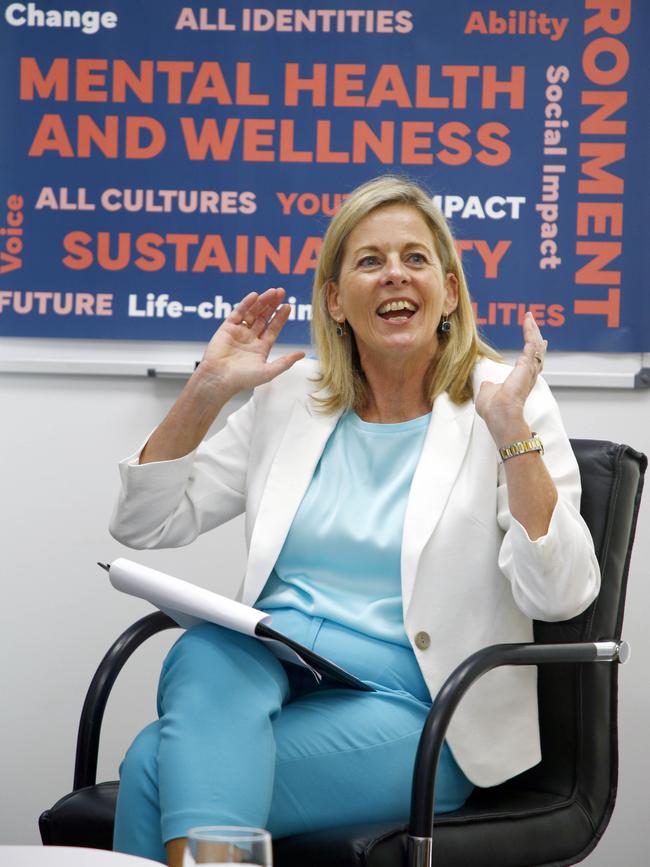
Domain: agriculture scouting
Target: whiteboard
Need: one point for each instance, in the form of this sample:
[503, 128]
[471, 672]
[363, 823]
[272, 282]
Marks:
[178, 360]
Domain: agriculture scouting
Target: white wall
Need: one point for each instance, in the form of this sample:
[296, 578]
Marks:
[61, 437]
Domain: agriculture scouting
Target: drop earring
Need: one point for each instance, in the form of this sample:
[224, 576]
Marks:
[340, 329]
[445, 325]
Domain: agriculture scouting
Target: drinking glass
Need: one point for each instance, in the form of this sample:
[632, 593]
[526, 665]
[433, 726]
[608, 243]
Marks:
[228, 846]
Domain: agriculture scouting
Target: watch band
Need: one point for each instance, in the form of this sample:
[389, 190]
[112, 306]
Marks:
[534, 444]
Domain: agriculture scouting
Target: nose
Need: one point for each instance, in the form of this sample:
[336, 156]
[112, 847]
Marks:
[394, 271]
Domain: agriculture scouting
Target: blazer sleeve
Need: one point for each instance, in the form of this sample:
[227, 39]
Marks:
[166, 504]
[556, 576]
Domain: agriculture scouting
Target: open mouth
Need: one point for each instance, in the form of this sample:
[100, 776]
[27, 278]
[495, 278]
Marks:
[397, 311]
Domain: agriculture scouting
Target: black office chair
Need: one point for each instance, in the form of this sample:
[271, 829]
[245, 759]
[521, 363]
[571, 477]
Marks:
[551, 815]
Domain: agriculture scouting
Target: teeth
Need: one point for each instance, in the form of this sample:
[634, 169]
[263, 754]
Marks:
[397, 305]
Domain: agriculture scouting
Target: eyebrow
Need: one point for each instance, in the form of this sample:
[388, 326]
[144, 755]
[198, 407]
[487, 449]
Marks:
[372, 248]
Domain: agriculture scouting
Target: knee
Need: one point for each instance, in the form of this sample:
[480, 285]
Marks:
[201, 649]
[207, 645]
[205, 658]
[210, 660]
[140, 761]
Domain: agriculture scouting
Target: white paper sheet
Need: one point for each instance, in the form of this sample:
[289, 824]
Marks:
[188, 604]
[184, 602]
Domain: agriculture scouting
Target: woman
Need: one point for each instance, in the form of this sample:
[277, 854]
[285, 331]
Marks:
[383, 529]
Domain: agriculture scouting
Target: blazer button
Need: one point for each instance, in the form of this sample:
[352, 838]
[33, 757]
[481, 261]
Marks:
[422, 640]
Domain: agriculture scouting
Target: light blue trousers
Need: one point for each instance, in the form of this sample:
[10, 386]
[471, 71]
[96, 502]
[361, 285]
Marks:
[240, 740]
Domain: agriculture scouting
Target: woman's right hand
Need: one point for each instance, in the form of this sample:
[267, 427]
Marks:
[236, 358]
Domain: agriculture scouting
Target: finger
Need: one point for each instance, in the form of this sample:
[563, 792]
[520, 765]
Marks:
[267, 302]
[263, 309]
[259, 320]
[277, 322]
[279, 365]
[534, 343]
[531, 360]
[238, 315]
[247, 310]
[270, 297]
[262, 316]
[531, 332]
[534, 353]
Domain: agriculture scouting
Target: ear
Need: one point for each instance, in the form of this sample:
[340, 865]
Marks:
[451, 298]
[334, 301]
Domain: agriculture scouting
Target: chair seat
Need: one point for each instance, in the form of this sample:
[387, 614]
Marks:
[85, 817]
[498, 831]
[549, 832]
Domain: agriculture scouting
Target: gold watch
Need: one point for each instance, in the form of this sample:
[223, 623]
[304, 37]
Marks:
[534, 444]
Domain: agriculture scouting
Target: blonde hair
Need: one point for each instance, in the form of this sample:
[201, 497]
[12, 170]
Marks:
[458, 349]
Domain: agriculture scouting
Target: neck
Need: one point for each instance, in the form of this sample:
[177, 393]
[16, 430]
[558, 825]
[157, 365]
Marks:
[395, 393]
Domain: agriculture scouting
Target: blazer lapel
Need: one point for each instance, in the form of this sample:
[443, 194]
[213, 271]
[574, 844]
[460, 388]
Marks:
[291, 472]
[444, 448]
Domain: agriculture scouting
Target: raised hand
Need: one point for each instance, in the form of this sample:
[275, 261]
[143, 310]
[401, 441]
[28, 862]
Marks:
[501, 405]
[237, 356]
[235, 359]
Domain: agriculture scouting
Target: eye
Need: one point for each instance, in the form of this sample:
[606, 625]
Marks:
[369, 261]
[417, 258]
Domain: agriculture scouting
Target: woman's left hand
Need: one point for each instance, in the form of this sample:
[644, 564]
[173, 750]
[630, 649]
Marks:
[501, 405]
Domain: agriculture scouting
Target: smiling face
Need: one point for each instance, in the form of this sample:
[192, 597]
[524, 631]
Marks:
[391, 288]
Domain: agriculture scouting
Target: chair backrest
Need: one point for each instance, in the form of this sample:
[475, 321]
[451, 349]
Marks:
[578, 703]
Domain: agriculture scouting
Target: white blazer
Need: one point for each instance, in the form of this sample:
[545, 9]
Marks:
[471, 577]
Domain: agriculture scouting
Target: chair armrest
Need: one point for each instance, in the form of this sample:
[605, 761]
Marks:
[92, 713]
[446, 702]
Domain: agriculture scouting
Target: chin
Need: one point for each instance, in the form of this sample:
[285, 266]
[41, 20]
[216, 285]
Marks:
[404, 344]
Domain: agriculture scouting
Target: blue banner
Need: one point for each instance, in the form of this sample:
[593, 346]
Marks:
[159, 161]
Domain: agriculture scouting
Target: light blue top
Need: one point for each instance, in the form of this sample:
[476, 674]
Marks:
[341, 558]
